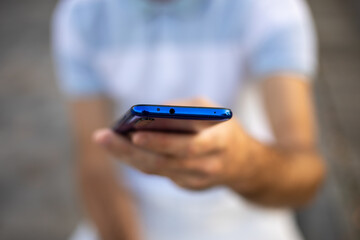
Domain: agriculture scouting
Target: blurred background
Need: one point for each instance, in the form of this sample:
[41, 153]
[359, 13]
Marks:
[37, 193]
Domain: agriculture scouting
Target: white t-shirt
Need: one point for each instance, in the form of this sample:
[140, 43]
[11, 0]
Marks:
[137, 51]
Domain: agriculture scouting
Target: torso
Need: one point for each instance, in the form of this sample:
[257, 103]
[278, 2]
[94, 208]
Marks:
[158, 58]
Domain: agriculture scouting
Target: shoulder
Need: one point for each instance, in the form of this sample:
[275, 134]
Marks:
[253, 16]
[278, 17]
[78, 10]
[280, 37]
[284, 11]
[83, 18]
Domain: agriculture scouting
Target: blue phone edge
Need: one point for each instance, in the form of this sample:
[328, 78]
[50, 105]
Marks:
[144, 111]
[181, 112]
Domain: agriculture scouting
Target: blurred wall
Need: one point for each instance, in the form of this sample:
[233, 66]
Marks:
[37, 199]
[336, 212]
[37, 192]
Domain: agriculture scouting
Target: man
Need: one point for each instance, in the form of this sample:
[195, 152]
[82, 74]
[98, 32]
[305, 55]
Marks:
[236, 180]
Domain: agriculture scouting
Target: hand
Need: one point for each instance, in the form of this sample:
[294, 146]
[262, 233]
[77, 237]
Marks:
[213, 156]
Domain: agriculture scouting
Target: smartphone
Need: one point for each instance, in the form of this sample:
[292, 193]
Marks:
[167, 118]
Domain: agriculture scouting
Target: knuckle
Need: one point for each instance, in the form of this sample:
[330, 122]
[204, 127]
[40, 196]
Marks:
[191, 150]
[212, 168]
[187, 164]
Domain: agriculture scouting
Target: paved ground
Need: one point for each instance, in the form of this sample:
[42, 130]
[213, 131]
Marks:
[37, 199]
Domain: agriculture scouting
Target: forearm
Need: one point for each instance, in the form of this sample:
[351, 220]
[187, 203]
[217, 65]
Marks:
[108, 204]
[289, 172]
[279, 176]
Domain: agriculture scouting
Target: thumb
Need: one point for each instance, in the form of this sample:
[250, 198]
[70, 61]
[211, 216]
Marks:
[103, 137]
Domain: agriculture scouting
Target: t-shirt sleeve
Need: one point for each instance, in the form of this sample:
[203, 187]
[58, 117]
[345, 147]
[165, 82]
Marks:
[73, 50]
[282, 39]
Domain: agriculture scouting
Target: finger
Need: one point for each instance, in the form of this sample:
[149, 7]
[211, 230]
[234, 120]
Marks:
[191, 182]
[197, 175]
[208, 167]
[179, 145]
[116, 145]
[121, 148]
[197, 102]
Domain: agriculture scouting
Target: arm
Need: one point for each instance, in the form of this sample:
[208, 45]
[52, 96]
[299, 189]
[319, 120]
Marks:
[107, 203]
[290, 171]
